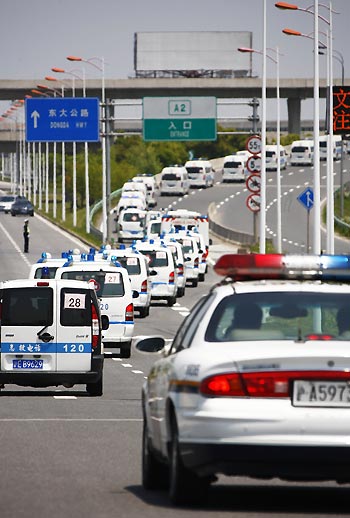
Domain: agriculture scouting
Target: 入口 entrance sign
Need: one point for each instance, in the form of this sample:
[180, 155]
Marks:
[179, 118]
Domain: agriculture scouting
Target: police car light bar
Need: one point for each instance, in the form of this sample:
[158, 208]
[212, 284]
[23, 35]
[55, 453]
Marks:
[279, 266]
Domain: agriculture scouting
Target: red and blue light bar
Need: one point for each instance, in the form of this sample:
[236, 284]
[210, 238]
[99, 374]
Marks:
[280, 266]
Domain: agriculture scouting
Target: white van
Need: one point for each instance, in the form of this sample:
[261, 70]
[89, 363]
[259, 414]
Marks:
[200, 173]
[137, 267]
[130, 200]
[151, 186]
[302, 152]
[51, 334]
[174, 180]
[178, 252]
[234, 169]
[162, 265]
[131, 225]
[115, 296]
[186, 219]
[271, 158]
[336, 147]
[191, 255]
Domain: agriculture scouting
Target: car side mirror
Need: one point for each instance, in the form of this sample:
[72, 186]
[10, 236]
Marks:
[105, 322]
[153, 272]
[135, 294]
[210, 241]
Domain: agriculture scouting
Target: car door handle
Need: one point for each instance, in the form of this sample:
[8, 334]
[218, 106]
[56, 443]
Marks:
[45, 337]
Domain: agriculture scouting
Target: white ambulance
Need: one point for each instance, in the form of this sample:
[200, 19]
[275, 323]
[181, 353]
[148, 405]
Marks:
[50, 334]
[115, 296]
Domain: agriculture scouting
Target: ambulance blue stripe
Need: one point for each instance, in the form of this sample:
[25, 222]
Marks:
[117, 322]
[42, 348]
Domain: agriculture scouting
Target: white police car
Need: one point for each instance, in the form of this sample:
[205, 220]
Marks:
[50, 334]
[256, 382]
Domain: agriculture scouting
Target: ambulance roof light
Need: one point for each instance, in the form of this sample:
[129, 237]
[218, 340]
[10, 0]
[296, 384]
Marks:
[90, 256]
[122, 247]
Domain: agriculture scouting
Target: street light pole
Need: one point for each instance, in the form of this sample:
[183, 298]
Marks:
[262, 242]
[279, 208]
[101, 68]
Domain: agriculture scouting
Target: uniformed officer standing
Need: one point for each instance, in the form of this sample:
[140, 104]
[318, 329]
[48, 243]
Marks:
[26, 233]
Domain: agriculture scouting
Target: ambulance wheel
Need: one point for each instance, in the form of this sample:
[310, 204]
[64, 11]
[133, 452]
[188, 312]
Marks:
[171, 301]
[125, 350]
[195, 283]
[181, 292]
[144, 312]
[95, 389]
[201, 277]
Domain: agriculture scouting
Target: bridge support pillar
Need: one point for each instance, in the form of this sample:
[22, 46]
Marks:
[294, 110]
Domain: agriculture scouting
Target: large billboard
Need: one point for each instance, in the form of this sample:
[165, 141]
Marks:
[193, 51]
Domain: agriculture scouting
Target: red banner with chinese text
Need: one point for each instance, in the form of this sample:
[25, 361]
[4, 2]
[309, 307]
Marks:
[341, 110]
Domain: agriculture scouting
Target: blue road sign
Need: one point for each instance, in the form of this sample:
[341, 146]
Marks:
[63, 119]
[306, 198]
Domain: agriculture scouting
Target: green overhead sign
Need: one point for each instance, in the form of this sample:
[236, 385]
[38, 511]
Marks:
[179, 118]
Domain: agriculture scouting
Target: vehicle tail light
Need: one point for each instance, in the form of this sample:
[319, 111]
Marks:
[180, 270]
[263, 384]
[196, 262]
[171, 277]
[129, 312]
[95, 327]
[144, 286]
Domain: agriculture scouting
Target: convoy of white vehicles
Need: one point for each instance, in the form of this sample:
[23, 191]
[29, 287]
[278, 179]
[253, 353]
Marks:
[164, 251]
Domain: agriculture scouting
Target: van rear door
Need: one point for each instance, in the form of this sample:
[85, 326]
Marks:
[28, 329]
[74, 335]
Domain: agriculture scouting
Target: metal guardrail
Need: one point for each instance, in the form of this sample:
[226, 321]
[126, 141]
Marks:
[98, 206]
[226, 233]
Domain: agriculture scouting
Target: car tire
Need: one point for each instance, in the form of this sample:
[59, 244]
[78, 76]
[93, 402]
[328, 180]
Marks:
[171, 301]
[201, 277]
[185, 487]
[144, 312]
[95, 389]
[155, 475]
[125, 350]
[195, 283]
[180, 292]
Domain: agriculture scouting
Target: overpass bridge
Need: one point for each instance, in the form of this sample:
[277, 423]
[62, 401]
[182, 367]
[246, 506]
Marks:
[293, 90]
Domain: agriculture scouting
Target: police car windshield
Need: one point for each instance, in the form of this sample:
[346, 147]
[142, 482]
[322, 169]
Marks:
[280, 316]
[27, 307]
[106, 284]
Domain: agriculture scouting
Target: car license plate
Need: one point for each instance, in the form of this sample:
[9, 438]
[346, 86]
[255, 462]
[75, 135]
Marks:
[321, 393]
[27, 364]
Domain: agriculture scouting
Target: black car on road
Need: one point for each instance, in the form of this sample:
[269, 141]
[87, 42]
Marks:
[22, 206]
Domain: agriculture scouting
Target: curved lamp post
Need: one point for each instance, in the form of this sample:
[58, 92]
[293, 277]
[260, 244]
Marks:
[330, 176]
[279, 210]
[90, 61]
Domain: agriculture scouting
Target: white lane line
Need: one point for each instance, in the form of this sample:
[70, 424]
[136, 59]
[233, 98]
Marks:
[117, 359]
[65, 397]
[127, 365]
[179, 308]
[15, 244]
[83, 420]
[137, 372]
[184, 313]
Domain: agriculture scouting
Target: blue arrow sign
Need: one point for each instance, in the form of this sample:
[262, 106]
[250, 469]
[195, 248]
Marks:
[72, 119]
[306, 198]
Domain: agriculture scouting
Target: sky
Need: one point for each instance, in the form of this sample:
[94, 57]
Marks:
[36, 36]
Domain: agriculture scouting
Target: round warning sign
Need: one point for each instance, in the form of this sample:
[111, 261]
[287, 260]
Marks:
[253, 144]
[254, 164]
[253, 202]
[253, 183]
